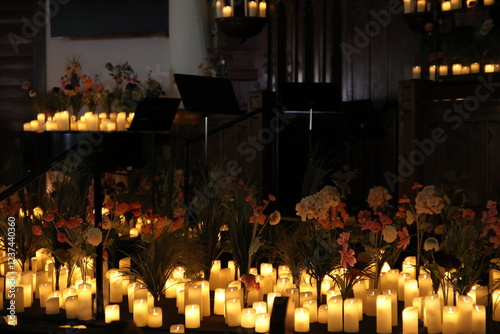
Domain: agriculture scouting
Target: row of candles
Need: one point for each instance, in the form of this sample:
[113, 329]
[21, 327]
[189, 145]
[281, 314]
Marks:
[456, 69]
[421, 6]
[252, 8]
[63, 121]
[193, 299]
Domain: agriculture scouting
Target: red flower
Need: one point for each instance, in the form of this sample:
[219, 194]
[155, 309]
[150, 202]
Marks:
[468, 214]
[347, 257]
[60, 223]
[416, 185]
[36, 230]
[134, 206]
[74, 222]
[137, 212]
[54, 209]
[48, 217]
[404, 238]
[61, 237]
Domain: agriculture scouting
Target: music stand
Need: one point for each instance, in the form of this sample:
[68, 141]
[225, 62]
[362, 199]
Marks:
[155, 114]
[207, 95]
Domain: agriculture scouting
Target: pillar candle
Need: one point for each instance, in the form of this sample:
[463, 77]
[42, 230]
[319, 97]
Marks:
[481, 295]
[465, 70]
[312, 305]
[433, 315]
[456, 69]
[253, 8]
[71, 305]
[260, 307]
[84, 301]
[479, 319]
[140, 313]
[193, 295]
[450, 320]
[155, 317]
[219, 301]
[351, 317]
[489, 2]
[270, 300]
[179, 328]
[474, 68]
[225, 276]
[417, 72]
[443, 70]
[408, 6]
[192, 316]
[489, 68]
[282, 284]
[401, 285]
[432, 72]
[112, 313]
[18, 299]
[121, 121]
[465, 306]
[52, 306]
[410, 291]
[495, 305]
[370, 308]
[262, 9]
[115, 286]
[421, 6]
[132, 287]
[262, 322]
[45, 289]
[392, 279]
[424, 285]
[227, 11]
[359, 290]
[410, 320]
[233, 312]
[301, 320]
[446, 6]
[418, 302]
[28, 294]
[248, 318]
[40, 117]
[384, 308]
[394, 306]
[216, 265]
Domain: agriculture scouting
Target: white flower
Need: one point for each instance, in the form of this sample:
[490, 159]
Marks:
[389, 233]
[429, 201]
[94, 236]
[410, 218]
[378, 197]
[275, 218]
[318, 206]
[431, 244]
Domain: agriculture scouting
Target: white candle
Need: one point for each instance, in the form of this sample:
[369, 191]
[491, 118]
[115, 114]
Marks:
[260, 307]
[392, 279]
[421, 6]
[443, 70]
[323, 314]
[262, 322]
[112, 313]
[225, 276]
[19, 299]
[35, 126]
[411, 291]
[465, 70]
[351, 317]
[227, 11]
[248, 318]
[27, 293]
[262, 9]
[479, 319]
[418, 302]
[218, 9]
[63, 120]
[446, 6]
[456, 4]
[252, 8]
[456, 69]
[179, 328]
[394, 307]
[27, 126]
[495, 305]
[312, 305]
[40, 117]
[140, 314]
[359, 290]
[45, 289]
[416, 71]
[52, 306]
[401, 285]
[384, 308]
[489, 68]
[450, 320]
[433, 314]
[465, 306]
[410, 320]
[408, 6]
[192, 315]
[489, 2]
[482, 294]
[474, 68]
[215, 270]
[155, 317]
[432, 72]
[371, 302]
[219, 301]
[115, 286]
[270, 300]
[301, 320]
[233, 312]
[71, 305]
[84, 301]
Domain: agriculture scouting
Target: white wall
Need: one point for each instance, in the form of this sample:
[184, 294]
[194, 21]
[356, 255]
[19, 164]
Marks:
[186, 34]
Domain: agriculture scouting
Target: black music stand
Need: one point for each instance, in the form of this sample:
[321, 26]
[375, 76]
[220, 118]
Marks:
[155, 114]
[209, 95]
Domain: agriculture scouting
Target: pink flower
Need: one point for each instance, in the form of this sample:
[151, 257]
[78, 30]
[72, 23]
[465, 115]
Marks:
[364, 216]
[384, 219]
[347, 257]
[344, 237]
[249, 281]
[404, 238]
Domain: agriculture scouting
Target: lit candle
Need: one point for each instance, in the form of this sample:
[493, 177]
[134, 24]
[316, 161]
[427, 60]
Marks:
[401, 285]
[384, 308]
[408, 6]
[359, 290]
[456, 69]
[323, 314]
[351, 317]
[481, 295]
[112, 313]
[218, 9]
[84, 301]
[394, 306]
[450, 320]
[155, 317]
[416, 72]
[64, 121]
[479, 319]
[192, 314]
[233, 312]
[301, 320]
[411, 291]
[133, 232]
[18, 299]
[71, 305]
[312, 305]
[433, 314]
[474, 68]
[227, 11]
[489, 68]
[410, 320]
[465, 306]
[27, 126]
[270, 300]
[35, 126]
[248, 318]
[371, 302]
[40, 117]
[262, 9]
[27, 293]
[214, 273]
[179, 328]
[45, 289]
[225, 276]
[446, 6]
[489, 2]
[465, 70]
[456, 4]
[115, 286]
[140, 314]
[418, 302]
[205, 298]
[443, 70]
[219, 301]
[121, 121]
[392, 279]
[252, 8]
[495, 305]
[262, 322]
[421, 6]
[260, 307]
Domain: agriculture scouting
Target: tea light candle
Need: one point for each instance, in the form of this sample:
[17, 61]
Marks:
[465, 70]
[262, 322]
[479, 319]
[155, 317]
[112, 313]
[489, 68]
[384, 308]
[450, 320]
[408, 6]
[71, 305]
[371, 302]
[192, 314]
[248, 318]
[456, 69]
[443, 70]
[262, 9]
[227, 11]
[417, 70]
[84, 301]
[301, 320]
[465, 307]
[233, 312]
[351, 317]
[140, 314]
[410, 291]
[410, 320]
[179, 328]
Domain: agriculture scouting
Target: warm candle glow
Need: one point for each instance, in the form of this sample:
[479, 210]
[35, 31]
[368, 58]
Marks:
[446, 6]
[140, 314]
[416, 72]
[262, 9]
[155, 317]
[227, 11]
[179, 328]
[410, 320]
[192, 316]
[301, 320]
[262, 322]
[384, 308]
[112, 313]
[475, 68]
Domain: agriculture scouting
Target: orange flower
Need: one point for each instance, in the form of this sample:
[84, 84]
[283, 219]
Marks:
[36, 230]
[468, 214]
[134, 206]
[416, 185]
[272, 198]
[121, 209]
[109, 204]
